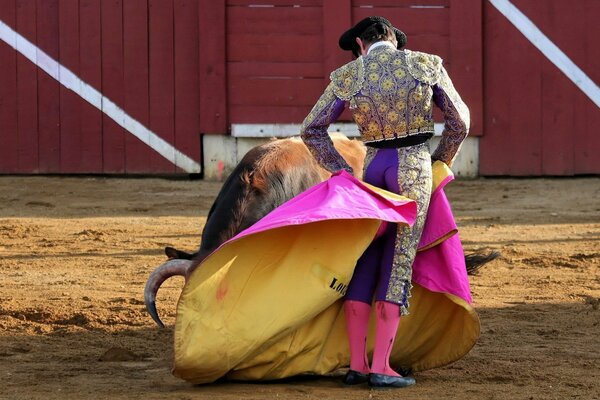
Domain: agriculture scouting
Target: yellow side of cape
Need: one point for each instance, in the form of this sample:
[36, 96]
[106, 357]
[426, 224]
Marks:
[268, 306]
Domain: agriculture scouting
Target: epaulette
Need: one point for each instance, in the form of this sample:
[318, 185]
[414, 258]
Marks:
[424, 67]
[348, 79]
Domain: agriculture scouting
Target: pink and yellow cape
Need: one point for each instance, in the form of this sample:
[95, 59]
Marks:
[267, 303]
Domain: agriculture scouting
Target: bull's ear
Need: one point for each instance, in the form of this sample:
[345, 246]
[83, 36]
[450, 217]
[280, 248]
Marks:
[171, 252]
[174, 253]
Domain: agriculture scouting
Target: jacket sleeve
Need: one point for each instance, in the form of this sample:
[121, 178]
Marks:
[456, 117]
[314, 131]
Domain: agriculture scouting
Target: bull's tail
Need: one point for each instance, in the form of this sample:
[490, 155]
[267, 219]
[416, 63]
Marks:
[477, 260]
[157, 277]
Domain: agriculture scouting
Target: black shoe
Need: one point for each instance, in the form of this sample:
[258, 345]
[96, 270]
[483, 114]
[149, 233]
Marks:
[355, 378]
[388, 381]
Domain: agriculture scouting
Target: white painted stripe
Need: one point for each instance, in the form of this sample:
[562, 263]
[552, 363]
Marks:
[71, 81]
[549, 49]
[287, 130]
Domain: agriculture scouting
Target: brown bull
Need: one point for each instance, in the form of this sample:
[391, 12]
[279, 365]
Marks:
[266, 177]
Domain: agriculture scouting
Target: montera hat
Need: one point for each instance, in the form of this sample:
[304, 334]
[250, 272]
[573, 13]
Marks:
[348, 38]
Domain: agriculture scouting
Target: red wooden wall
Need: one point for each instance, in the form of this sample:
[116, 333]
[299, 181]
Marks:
[188, 67]
[537, 122]
[141, 54]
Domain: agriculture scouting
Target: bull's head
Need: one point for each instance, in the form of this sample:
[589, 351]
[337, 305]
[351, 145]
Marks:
[267, 176]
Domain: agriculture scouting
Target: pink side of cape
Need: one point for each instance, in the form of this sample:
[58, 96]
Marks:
[442, 268]
[439, 269]
[340, 197]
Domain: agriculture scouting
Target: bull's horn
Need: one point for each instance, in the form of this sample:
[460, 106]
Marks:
[156, 278]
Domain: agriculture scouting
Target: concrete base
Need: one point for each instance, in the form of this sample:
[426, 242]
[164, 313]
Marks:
[222, 153]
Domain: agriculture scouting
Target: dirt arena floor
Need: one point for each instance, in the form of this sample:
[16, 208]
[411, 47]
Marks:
[75, 254]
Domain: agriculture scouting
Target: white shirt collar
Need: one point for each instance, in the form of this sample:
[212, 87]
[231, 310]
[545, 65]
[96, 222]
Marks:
[379, 44]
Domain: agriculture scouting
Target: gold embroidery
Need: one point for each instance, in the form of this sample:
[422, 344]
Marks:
[390, 95]
[399, 73]
[392, 103]
[383, 58]
[348, 79]
[373, 127]
[364, 107]
[388, 131]
[314, 131]
[456, 115]
[424, 67]
[371, 153]
[414, 181]
[387, 84]
[359, 118]
[382, 108]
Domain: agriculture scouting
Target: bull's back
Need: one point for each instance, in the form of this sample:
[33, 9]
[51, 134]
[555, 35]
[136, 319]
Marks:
[267, 176]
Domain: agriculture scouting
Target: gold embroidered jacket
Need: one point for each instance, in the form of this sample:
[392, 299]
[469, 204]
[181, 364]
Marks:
[390, 93]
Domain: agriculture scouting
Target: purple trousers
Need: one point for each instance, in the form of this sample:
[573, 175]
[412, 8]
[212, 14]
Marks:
[384, 271]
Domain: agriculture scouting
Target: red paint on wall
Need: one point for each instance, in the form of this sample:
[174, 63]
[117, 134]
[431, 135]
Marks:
[190, 67]
[537, 121]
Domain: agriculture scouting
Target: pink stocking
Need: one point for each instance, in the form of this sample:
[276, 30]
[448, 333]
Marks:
[357, 324]
[388, 318]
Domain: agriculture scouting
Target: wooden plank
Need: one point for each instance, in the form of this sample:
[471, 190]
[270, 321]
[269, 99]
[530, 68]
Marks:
[466, 54]
[48, 89]
[90, 68]
[274, 3]
[275, 48]
[555, 18]
[187, 95]
[9, 157]
[162, 80]
[434, 44]
[70, 103]
[27, 92]
[412, 21]
[402, 3]
[585, 136]
[274, 92]
[512, 141]
[252, 114]
[136, 72]
[495, 148]
[337, 18]
[587, 143]
[559, 94]
[113, 144]
[565, 143]
[591, 10]
[300, 20]
[569, 147]
[212, 66]
[558, 117]
[265, 69]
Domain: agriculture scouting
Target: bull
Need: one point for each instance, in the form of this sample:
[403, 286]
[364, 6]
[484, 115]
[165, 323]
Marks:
[267, 176]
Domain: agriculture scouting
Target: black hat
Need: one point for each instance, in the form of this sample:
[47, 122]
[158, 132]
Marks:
[348, 38]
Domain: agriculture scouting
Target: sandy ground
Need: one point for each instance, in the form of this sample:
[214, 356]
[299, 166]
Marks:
[75, 254]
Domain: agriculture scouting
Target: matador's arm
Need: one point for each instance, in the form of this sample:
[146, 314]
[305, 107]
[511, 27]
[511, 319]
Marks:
[314, 131]
[456, 116]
